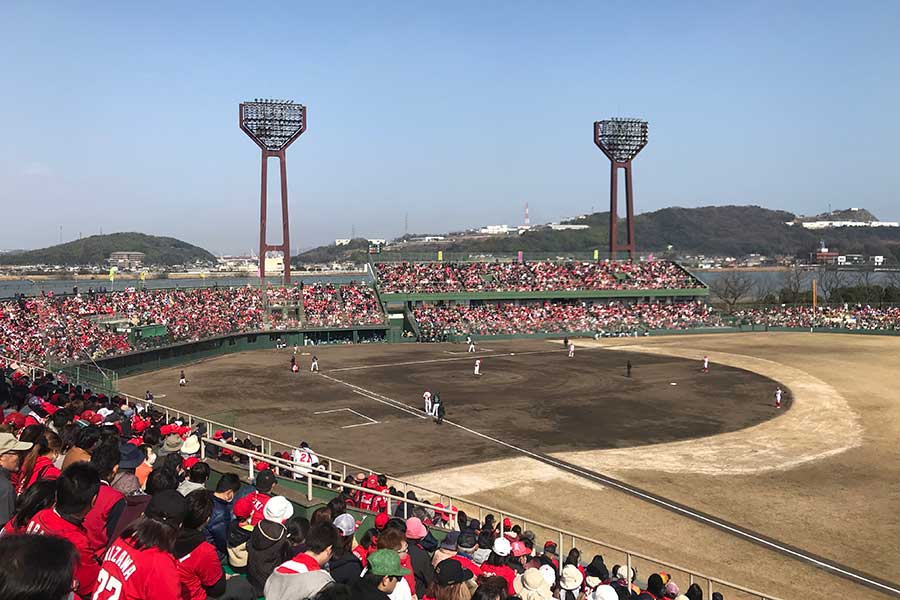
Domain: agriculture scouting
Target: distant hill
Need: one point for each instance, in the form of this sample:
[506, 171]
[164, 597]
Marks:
[355, 251]
[709, 230]
[95, 250]
[847, 214]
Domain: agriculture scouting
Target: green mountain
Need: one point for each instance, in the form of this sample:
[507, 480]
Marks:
[95, 250]
[709, 230]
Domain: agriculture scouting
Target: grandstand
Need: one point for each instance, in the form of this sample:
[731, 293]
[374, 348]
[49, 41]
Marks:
[89, 340]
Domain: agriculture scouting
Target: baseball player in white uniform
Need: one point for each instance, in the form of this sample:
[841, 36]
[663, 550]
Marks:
[706, 364]
[471, 343]
[314, 367]
[477, 366]
[571, 350]
[427, 397]
[778, 398]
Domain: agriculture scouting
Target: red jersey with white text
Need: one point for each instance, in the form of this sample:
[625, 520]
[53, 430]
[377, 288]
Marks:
[97, 519]
[198, 569]
[50, 522]
[131, 574]
[253, 505]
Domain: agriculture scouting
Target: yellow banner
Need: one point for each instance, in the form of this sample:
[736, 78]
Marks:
[596, 255]
[112, 273]
[143, 275]
[440, 255]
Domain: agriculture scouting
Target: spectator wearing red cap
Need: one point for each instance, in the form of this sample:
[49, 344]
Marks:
[76, 492]
[253, 503]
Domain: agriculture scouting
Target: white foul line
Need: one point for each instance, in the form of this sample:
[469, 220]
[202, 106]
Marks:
[636, 492]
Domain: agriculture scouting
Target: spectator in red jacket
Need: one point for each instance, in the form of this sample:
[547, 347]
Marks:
[76, 491]
[139, 565]
[199, 570]
[38, 463]
[103, 517]
[255, 502]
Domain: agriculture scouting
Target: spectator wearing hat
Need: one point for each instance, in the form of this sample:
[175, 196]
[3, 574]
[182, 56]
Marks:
[418, 556]
[603, 592]
[446, 548]
[570, 581]
[198, 475]
[550, 555]
[623, 579]
[672, 591]
[451, 582]
[254, 502]
[126, 480]
[76, 491]
[140, 563]
[381, 577]
[191, 446]
[11, 451]
[531, 585]
[199, 569]
[302, 576]
[49, 567]
[216, 530]
[239, 533]
[171, 445]
[498, 563]
[595, 574]
[345, 565]
[103, 517]
[466, 545]
[268, 546]
[694, 592]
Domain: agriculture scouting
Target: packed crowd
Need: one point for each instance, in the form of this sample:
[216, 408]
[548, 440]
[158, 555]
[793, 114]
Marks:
[327, 305]
[58, 329]
[437, 322]
[846, 316]
[539, 276]
[101, 500]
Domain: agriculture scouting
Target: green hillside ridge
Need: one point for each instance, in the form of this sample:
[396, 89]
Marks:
[95, 250]
[707, 230]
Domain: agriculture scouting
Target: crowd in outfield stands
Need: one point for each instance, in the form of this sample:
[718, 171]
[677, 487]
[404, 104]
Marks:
[436, 322]
[543, 276]
[327, 305]
[846, 316]
[101, 500]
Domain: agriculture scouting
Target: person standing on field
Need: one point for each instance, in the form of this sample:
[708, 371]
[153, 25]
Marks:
[427, 398]
[778, 394]
[571, 350]
[477, 367]
[628, 369]
[706, 364]
[182, 380]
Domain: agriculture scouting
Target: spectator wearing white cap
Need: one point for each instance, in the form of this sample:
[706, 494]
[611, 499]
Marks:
[345, 566]
[531, 585]
[269, 546]
[498, 563]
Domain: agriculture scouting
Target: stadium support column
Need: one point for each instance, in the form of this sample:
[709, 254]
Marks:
[273, 125]
[620, 140]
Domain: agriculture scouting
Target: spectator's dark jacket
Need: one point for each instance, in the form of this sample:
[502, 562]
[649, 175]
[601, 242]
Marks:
[362, 591]
[268, 547]
[422, 569]
[345, 569]
[216, 530]
[238, 538]
[7, 498]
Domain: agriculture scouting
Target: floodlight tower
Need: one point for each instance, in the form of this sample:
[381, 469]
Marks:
[273, 125]
[620, 140]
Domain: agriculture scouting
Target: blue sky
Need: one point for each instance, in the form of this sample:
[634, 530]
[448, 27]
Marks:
[123, 116]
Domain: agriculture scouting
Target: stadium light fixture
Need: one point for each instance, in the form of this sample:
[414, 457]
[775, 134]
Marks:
[273, 125]
[620, 140]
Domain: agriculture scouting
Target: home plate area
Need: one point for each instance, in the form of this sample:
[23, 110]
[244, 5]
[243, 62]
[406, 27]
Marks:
[340, 417]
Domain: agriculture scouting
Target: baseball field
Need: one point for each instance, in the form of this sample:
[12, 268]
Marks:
[820, 475]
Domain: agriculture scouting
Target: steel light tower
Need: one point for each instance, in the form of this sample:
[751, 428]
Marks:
[273, 125]
[620, 140]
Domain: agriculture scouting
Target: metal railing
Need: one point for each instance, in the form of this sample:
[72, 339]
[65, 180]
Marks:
[334, 468]
[561, 536]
